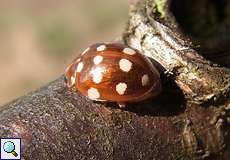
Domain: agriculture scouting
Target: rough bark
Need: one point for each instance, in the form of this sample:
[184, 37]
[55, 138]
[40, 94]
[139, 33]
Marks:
[57, 123]
[157, 35]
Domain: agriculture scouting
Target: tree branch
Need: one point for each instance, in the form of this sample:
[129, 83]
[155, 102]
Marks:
[161, 39]
[57, 123]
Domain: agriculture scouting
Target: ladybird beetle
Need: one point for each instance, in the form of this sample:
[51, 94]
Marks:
[113, 72]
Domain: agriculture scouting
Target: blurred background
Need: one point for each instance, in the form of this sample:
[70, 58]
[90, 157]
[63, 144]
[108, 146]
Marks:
[38, 39]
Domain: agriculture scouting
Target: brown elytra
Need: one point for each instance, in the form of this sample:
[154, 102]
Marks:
[113, 72]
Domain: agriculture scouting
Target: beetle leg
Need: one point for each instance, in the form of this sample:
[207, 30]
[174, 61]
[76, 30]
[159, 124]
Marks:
[121, 104]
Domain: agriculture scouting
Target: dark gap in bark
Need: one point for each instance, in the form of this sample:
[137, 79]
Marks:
[207, 23]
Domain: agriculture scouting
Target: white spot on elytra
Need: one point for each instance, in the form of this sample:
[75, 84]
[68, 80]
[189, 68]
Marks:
[121, 88]
[72, 80]
[97, 75]
[101, 48]
[125, 65]
[145, 80]
[80, 67]
[129, 51]
[93, 93]
[79, 59]
[86, 50]
[97, 60]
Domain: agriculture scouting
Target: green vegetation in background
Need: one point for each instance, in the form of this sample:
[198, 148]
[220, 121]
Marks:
[7, 21]
[57, 38]
[106, 17]
[62, 31]
[7, 24]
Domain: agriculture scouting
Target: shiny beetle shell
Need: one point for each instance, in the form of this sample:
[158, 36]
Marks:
[113, 72]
